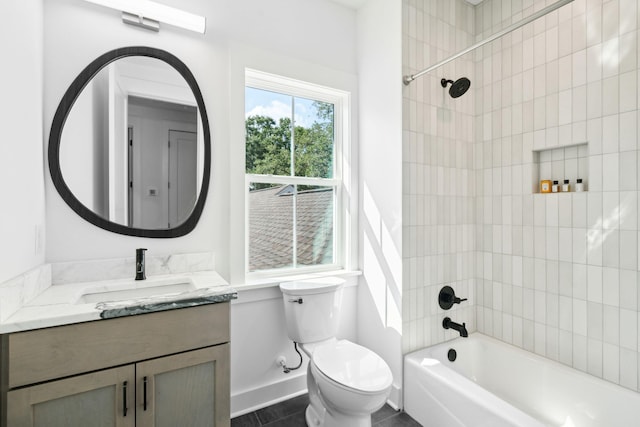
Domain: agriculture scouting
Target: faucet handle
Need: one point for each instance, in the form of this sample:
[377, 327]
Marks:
[447, 297]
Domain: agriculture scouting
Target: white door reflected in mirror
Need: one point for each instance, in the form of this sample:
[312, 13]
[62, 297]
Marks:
[132, 146]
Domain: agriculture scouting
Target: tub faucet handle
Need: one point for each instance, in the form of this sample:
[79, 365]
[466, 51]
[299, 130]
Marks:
[447, 298]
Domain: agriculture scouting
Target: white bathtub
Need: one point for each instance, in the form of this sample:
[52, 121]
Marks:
[495, 384]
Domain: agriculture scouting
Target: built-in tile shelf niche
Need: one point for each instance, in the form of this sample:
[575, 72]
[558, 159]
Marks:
[559, 163]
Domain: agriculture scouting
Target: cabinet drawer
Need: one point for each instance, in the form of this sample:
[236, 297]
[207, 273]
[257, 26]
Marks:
[46, 354]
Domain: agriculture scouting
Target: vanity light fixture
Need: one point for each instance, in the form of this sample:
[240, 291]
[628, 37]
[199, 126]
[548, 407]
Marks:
[148, 14]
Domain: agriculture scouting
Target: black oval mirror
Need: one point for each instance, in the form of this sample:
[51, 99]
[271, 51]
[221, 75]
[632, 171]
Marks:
[130, 149]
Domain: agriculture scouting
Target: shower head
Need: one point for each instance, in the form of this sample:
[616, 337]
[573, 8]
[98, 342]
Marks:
[458, 88]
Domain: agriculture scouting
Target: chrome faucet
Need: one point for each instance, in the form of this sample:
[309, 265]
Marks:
[140, 268]
[447, 323]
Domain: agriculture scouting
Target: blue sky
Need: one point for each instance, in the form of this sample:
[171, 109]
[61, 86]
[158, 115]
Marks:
[276, 105]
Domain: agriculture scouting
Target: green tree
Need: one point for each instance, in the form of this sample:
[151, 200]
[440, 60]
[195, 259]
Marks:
[268, 145]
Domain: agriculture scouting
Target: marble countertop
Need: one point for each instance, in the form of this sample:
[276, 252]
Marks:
[66, 304]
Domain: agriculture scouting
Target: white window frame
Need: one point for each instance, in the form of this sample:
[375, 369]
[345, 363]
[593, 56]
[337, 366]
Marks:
[341, 101]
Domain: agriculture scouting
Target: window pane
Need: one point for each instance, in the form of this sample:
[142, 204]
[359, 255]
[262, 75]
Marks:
[270, 226]
[313, 140]
[314, 225]
[268, 128]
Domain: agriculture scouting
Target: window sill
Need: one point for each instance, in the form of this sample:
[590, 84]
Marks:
[267, 288]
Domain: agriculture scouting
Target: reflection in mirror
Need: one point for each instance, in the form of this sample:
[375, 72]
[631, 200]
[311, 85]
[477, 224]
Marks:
[131, 148]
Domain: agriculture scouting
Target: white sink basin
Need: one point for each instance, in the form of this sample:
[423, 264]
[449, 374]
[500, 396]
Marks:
[141, 290]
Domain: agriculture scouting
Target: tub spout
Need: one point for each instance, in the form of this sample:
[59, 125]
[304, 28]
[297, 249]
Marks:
[447, 323]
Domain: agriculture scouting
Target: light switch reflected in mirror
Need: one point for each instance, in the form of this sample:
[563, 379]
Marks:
[132, 152]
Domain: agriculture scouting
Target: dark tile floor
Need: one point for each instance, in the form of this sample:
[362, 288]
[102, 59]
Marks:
[290, 413]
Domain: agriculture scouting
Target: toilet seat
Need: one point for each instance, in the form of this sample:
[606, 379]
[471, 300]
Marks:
[352, 366]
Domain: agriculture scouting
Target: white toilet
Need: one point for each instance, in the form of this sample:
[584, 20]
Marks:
[346, 382]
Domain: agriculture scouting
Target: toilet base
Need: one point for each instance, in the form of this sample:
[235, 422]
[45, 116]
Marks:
[317, 414]
[335, 420]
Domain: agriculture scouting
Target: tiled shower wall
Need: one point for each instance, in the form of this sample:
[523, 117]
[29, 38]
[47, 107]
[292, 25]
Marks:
[557, 274]
[438, 181]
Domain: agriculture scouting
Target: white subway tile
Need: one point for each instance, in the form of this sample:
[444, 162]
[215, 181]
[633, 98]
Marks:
[552, 245]
[580, 245]
[610, 20]
[611, 361]
[595, 320]
[565, 278]
[594, 284]
[628, 250]
[540, 339]
[610, 60]
[594, 99]
[594, 25]
[611, 324]
[610, 210]
[610, 96]
[580, 317]
[580, 352]
[565, 347]
[628, 91]
[565, 242]
[629, 47]
[629, 368]
[579, 60]
[595, 173]
[611, 248]
[610, 134]
[629, 289]
[611, 286]
[610, 172]
[565, 313]
[628, 133]
[594, 63]
[579, 37]
[579, 210]
[629, 329]
[594, 136]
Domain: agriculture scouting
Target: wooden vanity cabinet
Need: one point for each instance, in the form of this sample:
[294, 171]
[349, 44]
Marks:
[167, 368]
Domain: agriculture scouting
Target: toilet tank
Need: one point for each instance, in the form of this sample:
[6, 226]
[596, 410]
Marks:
[312, 308]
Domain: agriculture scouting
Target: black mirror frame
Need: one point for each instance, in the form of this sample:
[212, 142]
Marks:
[60, 117]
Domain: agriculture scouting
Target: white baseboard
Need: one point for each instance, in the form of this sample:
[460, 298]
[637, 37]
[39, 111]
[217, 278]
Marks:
[251, 400]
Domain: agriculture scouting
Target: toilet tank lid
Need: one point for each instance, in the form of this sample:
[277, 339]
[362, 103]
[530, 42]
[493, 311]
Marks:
[353, 366]
[311, 286]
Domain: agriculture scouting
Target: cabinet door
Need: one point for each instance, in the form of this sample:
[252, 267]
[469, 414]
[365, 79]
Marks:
[100, 399]
[188, 389]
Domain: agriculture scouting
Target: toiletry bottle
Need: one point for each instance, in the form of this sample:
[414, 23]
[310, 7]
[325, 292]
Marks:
[545, 186]
[579, 185]
[566, 187]
[554, 187]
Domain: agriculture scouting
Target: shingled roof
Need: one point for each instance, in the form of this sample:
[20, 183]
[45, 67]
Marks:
[271, 227]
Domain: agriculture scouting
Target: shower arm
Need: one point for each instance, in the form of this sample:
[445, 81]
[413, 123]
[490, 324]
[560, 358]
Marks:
[408, 79]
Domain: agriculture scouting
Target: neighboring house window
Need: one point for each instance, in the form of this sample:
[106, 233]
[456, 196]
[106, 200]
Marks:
[293, 175]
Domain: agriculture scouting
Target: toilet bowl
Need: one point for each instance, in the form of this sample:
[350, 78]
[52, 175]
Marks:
[346, 381]
[350, 381]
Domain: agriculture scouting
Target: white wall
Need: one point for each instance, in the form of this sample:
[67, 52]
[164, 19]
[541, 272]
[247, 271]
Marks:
[380, 162]
[21, 154]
